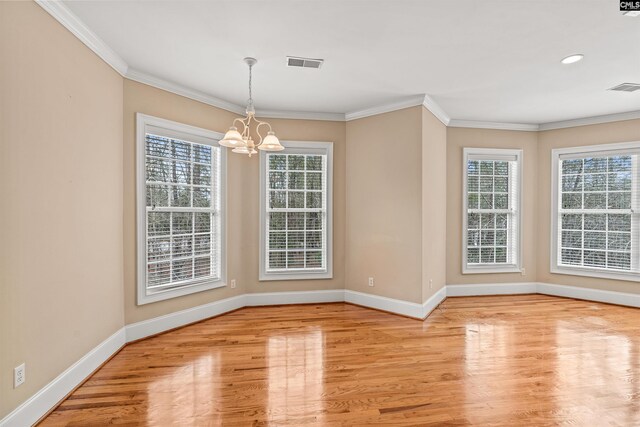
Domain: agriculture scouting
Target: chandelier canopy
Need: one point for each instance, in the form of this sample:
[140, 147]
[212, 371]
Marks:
[241, 140]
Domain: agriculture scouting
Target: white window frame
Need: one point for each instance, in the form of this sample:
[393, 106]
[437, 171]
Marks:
[492, 154]
[149, 124]
[603, 149]
[298, 147]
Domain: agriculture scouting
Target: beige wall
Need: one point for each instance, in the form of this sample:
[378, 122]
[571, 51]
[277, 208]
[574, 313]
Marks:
[61, 196]
[459, 138]
[384, 201]
[67, 182]
[242, 199]
[434, 199]
[624, 131]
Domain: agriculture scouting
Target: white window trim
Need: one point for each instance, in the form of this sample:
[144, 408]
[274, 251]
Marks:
[555, 267]
[491, 268]
[199, 135]
[302, 147]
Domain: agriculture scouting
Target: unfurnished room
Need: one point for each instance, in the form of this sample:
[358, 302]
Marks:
[319, 213]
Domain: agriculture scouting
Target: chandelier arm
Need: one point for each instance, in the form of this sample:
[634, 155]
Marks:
[258, 130]
[238, 119]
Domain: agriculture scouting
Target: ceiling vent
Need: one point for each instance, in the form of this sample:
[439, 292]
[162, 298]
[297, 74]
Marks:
[294, 61]
[626, 87]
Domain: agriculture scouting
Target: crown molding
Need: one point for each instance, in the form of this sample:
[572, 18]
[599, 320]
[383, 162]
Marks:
[300, 115]
[455, 123]
[178, 89]
[594, 120]
[71, 22]
[412, 101]
[436, 110]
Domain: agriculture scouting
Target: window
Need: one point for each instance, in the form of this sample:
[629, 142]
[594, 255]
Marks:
[595, 211]
[491, 210]
[180, 187]
[296, 214]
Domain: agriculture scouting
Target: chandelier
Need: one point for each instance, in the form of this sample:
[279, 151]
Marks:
[241, 141]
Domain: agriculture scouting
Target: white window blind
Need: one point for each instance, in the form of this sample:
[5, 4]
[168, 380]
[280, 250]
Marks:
[492, 210]
[182, 216]
[296, 213]
[596, 217]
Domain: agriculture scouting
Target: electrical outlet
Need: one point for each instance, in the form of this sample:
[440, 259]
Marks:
[370, 281]
[18, 376]
[430, 283]
[522, 271]
[233, 283]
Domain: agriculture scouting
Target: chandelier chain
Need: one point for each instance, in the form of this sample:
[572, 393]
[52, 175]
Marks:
[250, 80]
[243, 142]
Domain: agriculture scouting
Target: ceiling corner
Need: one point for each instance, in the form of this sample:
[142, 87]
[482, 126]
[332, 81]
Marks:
[71, 22]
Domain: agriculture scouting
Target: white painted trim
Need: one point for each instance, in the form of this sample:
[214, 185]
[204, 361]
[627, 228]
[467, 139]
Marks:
[300, 297]
[491, 289]
[412, 101]
[577, 292]
[554, 238]
[156, 325]
[593, 120]
[205, 98]
[492, 154]
[597, 295]
[432, 302]
[178, 89]
[297, 147]
[204, 136]
[47, 397]
[71, 22]
[475, 124]
[299, 115]
[436, 110]
[405, 308]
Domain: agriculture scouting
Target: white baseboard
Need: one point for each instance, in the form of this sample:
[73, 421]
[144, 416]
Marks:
[597, 295]
[491, 289]
[302, 297]
[40, 403]
[430, 304]
[405, 308]
[145, 328]
[45, 399]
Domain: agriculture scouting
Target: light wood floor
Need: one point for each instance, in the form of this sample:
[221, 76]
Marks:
[488, 361]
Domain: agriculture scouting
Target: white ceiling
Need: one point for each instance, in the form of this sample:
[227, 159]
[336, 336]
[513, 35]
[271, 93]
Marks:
[485, 60]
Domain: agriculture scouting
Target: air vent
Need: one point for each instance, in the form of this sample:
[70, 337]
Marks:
[294, 61]
[626, 87]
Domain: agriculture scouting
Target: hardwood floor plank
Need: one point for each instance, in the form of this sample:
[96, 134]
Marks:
[489, 361]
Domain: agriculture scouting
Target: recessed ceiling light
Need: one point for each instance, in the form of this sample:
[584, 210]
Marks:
[572, 58]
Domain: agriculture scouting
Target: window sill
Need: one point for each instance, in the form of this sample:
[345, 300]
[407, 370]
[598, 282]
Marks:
[184, 290]
[491, 269]
[596, 273]
[295, 275]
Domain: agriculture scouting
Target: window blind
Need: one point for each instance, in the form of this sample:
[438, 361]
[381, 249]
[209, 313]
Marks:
[492, 209]
[598, 210]
[183, 230]
[296, 212]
